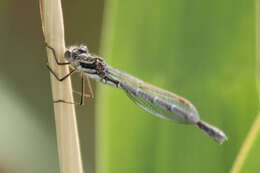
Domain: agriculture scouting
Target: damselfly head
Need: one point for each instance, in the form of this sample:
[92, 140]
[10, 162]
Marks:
[80, 58]
[74, 52]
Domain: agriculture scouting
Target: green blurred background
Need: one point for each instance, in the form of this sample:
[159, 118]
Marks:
[203, 50]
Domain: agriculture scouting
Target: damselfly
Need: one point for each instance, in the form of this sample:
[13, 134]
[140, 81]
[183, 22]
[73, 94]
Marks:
[156, 101]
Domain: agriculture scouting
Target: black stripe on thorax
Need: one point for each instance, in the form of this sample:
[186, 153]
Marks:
[87, 65]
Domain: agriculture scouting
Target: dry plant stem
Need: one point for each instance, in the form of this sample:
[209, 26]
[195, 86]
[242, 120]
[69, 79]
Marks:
[246, 146]
[65, 117]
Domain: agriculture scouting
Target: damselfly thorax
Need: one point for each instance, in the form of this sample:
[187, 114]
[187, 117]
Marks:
[154, 100]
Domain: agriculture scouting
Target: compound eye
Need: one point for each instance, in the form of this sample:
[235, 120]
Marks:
[83, 49]
[68, 54]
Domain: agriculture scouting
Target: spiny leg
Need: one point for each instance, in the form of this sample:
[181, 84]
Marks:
[61, 79]
[90, 88]
[56, 76]
[55, 57]
[82, 89]
[82, 94]
[85, 95]
[59, 63]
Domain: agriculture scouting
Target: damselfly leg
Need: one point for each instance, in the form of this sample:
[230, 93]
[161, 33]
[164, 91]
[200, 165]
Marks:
[56, 76]
[91, 93]
[54, 54]
[82, 93]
